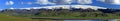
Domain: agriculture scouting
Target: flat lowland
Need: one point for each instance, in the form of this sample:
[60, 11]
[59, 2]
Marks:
[4, 17]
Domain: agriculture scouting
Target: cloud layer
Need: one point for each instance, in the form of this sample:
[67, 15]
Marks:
[46, 2]
[43, 2]
[84, 1]
[101, 0]
[116, 2]
[67, 7]
[76, 1]
[9, 3]
[111, 1]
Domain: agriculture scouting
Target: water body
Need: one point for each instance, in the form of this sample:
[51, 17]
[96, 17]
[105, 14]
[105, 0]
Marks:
[60, 19]
[88, 20]
[83, 20]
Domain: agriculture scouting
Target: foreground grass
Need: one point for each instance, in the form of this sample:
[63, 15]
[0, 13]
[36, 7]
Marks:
[4, 17]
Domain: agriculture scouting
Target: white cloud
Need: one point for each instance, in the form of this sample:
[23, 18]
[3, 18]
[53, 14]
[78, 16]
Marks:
[22, 2]
[9, 3]
[43, 2]
[101, 0]
[88, 6]
[1, 9]
[84, 1]
[116, 2]
[67, 7]
[29, 3]
[12, 8]
[65, 2]
[71, 1]
[111, 1]
[24, 8]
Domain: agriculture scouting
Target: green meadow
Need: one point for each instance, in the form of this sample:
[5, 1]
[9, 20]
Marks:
[4, 17]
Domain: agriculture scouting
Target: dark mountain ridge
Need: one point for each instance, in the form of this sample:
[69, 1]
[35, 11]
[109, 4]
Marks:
[72, 9]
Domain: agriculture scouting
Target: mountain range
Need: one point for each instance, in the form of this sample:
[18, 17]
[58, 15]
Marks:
[60, 7]
[64, 7]
[62, 11]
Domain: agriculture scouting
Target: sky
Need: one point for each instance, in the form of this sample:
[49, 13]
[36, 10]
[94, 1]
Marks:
[6, 4]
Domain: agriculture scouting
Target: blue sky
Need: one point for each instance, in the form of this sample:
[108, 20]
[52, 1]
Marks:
[31, 3]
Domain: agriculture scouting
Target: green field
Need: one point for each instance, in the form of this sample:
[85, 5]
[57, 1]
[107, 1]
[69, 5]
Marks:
[54, 14]
[4, 17]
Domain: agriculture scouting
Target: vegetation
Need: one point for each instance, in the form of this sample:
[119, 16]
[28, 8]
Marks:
[4, 17]
[64, 13]
[24, 15]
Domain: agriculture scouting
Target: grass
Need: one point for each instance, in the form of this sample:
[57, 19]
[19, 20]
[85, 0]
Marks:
[4, 17]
